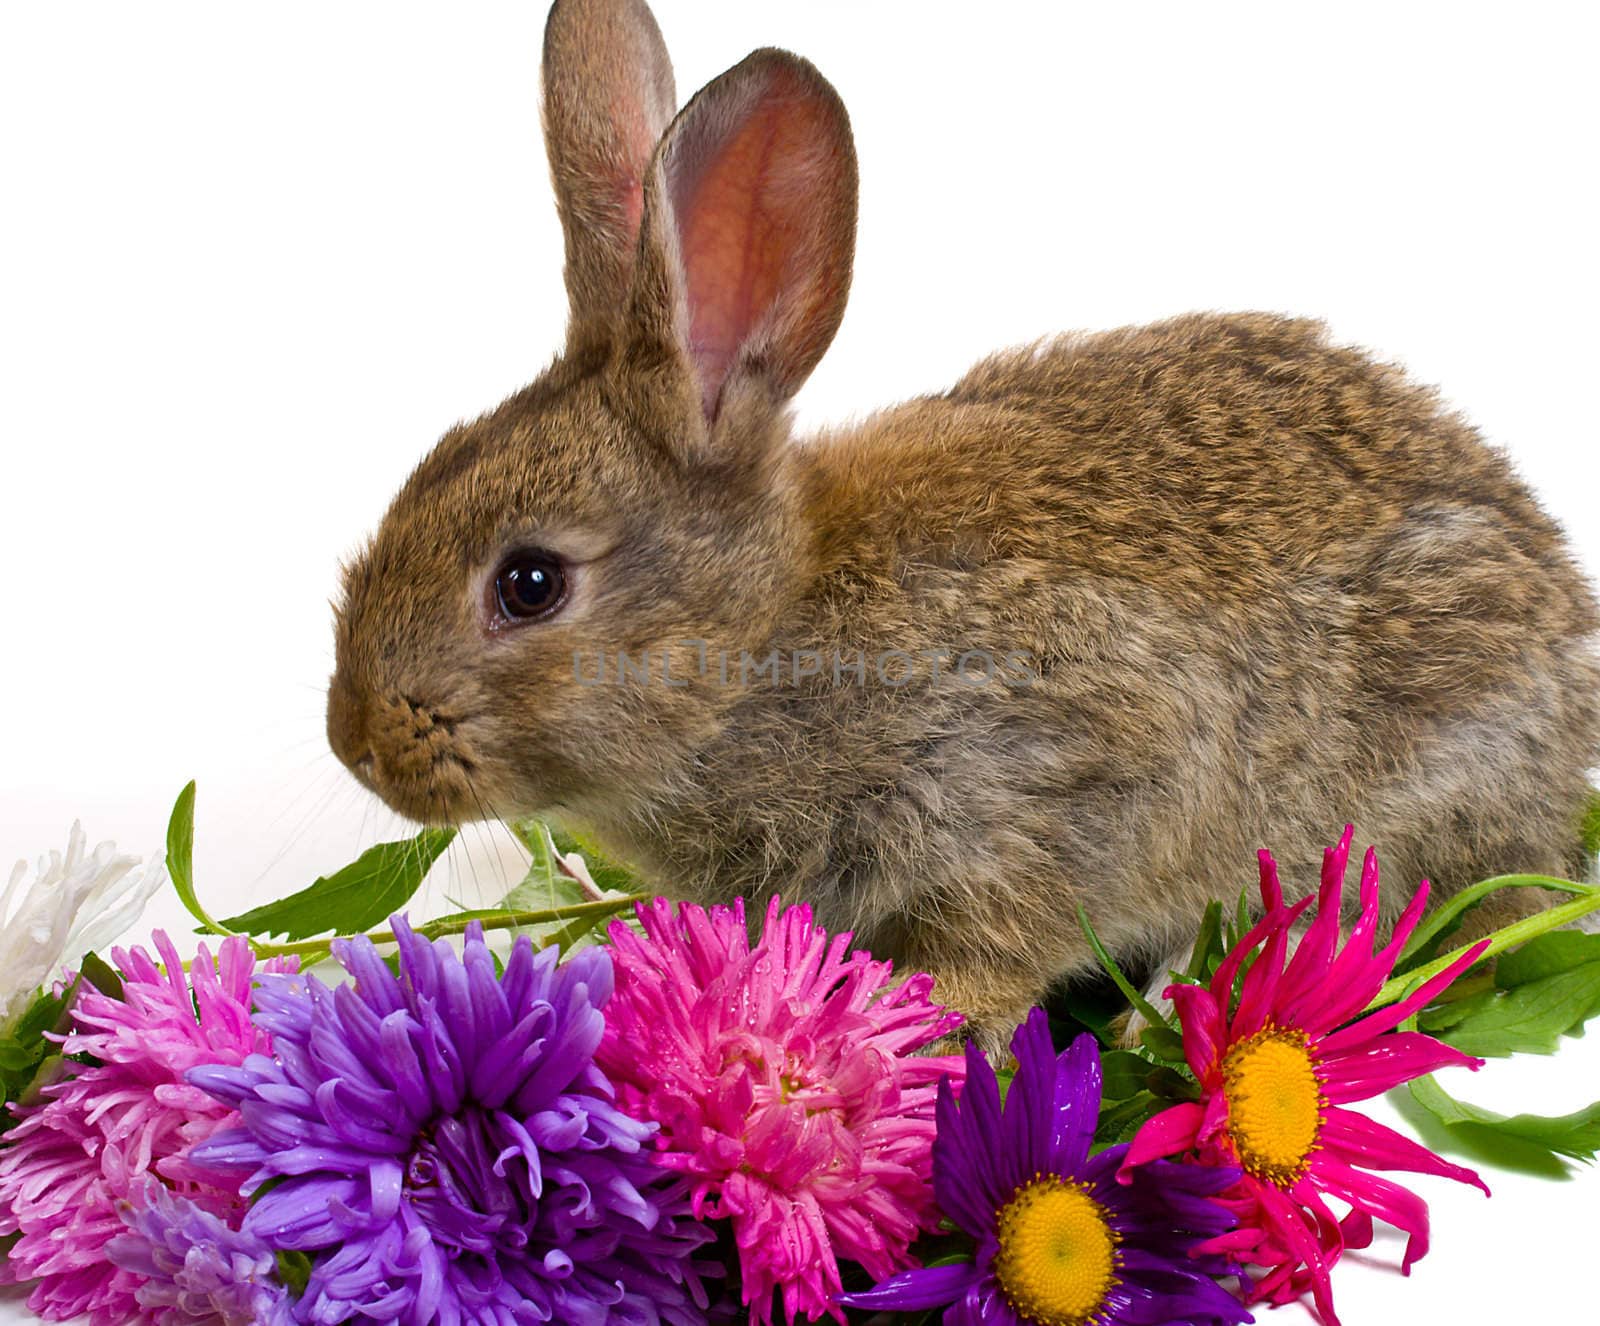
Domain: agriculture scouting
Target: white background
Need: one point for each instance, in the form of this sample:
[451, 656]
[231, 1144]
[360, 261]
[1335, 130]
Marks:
[255, 259]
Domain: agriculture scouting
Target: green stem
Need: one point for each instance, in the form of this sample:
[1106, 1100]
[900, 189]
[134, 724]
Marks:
[1471, 897]
[1509, 937]
[436, 929]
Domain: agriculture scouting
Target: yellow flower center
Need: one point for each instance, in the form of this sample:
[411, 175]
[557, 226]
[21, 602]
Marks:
[1057, 1258]
[1275, 1103]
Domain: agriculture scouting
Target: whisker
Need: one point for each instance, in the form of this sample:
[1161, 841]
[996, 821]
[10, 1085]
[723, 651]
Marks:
[315, 784]
[319, 807]
[483, 827]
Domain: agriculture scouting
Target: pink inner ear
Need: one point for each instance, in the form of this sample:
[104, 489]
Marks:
[751, 244]
[625, 173]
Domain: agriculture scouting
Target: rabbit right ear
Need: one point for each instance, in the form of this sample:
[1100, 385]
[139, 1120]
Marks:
[748, 236]
[608, 97]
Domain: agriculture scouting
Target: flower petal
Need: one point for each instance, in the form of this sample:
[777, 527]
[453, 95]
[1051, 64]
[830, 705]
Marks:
[1388, 1201]
[1362, 1141]
[1358, 973]
[910, 1291]
[1372, 1067]
[967, 1187]
[1204, 1030]
[1280, 918]
[1029, 1115]
[1392, 1014]
[1308, 968]
[1289, 1221]
[1172, 1131]
[785, 1080]
[1076, 1110]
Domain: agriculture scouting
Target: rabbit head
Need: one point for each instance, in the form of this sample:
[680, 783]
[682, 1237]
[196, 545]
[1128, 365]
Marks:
[638, 498]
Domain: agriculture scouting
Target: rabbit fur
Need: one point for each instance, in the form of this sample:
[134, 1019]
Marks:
[1261, 584]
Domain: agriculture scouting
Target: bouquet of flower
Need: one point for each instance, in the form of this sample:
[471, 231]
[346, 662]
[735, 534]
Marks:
[591, 1106]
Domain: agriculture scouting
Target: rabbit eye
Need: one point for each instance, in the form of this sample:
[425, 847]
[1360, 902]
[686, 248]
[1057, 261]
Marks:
[529, 584]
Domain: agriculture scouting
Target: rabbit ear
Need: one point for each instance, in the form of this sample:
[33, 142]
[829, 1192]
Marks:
[750, 215]
[608, 97]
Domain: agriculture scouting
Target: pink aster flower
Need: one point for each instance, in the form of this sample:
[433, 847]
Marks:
[1275, 1071]
[81, 1155]
[787, 1089]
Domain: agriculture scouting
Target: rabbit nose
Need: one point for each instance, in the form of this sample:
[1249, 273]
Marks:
[347, 727]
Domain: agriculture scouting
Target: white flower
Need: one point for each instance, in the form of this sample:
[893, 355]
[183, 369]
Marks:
[573, 865]
[75, 904]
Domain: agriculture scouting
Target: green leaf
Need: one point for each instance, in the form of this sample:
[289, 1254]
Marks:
[366, 892]
[1208, 950]
[1241, 920]
[1446, 918]
[1438, 1021]
[1123, 1073]
[45, 1012]
[100, 974]
[1521, 1005]
[1548, 955]
[180, 860]
[1119, 1121]
[294, 1270]
[530, 833]
[25, 1055]
[50, 1070]
[1107, 964]
[543, 842]
[1164, 1043]
[1233, 935]
[27, 1060]
[546, 886]
[1463, 998]
[1591, 823]
[535, 836]
[1576, 1135]
[1172, 1084]
[534, 894]
[1531, 1018]
[180, 839]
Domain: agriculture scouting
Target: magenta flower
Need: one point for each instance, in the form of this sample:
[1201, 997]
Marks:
[74, 1159]
[788, 1092]
[1276, 1070]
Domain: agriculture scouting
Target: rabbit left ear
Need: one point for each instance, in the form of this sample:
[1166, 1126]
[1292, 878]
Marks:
[749, 230]
[608, 97]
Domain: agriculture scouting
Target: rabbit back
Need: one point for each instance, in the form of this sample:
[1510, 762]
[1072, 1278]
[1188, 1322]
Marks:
[1267, 585]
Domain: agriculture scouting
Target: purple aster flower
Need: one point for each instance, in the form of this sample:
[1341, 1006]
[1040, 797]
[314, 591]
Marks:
[1059, 1241]
[194, 1270]
[446, 1151]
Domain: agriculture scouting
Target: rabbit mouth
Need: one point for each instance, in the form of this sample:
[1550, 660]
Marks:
[442, 792]
[415, 756]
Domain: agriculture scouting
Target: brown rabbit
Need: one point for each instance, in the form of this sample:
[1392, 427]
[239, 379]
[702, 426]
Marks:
[1092, 626]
